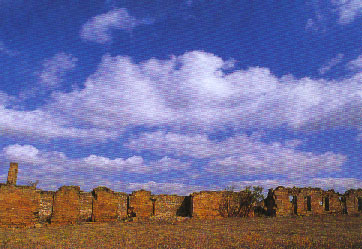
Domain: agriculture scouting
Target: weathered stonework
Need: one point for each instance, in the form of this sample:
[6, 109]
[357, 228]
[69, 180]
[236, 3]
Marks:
[66, 207]
[206, 204]
[19, 205]
[170, 205]
[108, 205]
[142, 203]
[26, 205]
[303, 201]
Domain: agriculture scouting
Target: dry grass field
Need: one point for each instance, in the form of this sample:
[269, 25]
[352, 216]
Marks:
[293, 232]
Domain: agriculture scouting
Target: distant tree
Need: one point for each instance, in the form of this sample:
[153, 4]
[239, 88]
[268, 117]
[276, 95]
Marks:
[33, 184]
[240, 204]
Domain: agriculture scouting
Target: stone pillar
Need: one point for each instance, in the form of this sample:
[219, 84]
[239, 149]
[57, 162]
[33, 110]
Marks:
[13, 174]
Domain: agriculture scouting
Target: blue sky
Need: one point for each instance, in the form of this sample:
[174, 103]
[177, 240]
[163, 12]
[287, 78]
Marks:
[182, 96]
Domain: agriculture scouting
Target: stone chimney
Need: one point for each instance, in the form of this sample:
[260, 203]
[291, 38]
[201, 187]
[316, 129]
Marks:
[13, 174]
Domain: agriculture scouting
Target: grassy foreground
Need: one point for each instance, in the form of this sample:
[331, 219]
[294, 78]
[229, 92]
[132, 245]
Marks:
[292, 232]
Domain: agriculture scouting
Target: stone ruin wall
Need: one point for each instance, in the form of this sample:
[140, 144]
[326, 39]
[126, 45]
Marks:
[26, 205]
[19, 205]
[108, 205]
[141, 204]
[311, 201]
[353, 201]
[66, 205]
[172, 205]
[206, 204]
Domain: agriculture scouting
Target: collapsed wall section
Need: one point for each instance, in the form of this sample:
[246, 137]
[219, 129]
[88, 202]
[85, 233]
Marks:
[46, 205]
[86, 202]
[19, 205]
[108, 205]
[279, 203]
[122, 205]
[66, 207]
[142, 204]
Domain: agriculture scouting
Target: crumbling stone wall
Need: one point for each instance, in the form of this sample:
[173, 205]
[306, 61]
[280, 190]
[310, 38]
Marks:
[108, 205]
[66, 207]
[303, 201]
[206, 204]
[142, 203]
[19, 205]
[86, 203]
[170, 205]
[353, 200]
[46, 205]
[336, 202]
[315, 199]
[279, 203]
[25, 205]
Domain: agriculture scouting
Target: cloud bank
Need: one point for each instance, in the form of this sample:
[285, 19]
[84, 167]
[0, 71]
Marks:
[192, 92]
[241, 155]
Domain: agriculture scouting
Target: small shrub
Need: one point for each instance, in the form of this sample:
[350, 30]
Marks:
[240, 204]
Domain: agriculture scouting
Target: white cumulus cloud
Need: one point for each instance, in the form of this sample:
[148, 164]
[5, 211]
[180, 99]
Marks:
[189, 92]
[55, 68]
[98, 29]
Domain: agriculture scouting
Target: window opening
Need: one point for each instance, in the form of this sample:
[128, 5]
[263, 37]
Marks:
[309, 203]
[326, 203]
